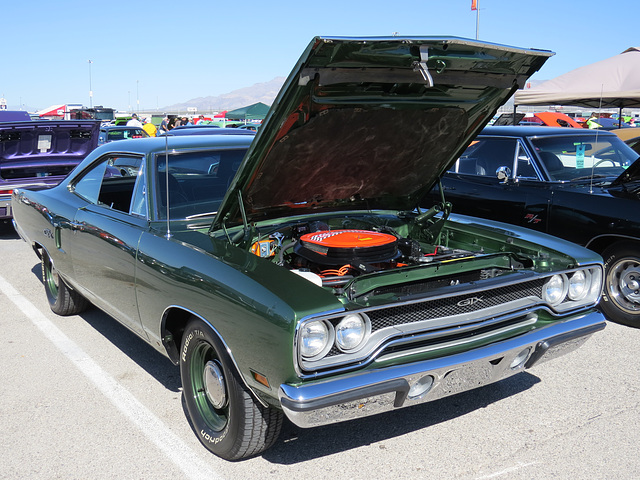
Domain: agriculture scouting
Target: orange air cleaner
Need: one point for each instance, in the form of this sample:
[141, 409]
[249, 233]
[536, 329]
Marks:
[339, 247]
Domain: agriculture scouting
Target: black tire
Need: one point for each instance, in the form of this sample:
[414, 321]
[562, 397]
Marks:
[224, 415]
[621, 294]
[62, 299]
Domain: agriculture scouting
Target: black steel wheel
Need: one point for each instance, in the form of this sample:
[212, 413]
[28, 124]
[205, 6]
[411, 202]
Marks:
[621, 294]
[224, 415]
[62, 299]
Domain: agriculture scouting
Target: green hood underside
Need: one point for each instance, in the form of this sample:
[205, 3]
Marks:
[372, 123]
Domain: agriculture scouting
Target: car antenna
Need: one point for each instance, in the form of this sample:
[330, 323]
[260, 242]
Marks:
[166, 177]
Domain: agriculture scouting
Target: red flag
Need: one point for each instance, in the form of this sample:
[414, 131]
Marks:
[474, 4]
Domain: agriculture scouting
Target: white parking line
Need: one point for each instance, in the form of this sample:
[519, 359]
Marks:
[168, 442]
[506, 471]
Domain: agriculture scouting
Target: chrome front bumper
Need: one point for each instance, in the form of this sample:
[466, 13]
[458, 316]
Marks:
[379, 390]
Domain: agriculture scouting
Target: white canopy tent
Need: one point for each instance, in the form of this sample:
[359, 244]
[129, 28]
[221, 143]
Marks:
[613, 82]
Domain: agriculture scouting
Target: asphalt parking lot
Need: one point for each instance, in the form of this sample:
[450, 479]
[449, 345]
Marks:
[83, 398]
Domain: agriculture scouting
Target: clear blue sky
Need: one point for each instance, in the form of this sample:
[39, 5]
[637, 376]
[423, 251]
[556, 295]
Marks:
[166, 52]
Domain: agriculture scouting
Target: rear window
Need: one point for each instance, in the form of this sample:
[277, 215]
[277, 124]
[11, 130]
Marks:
[113, 135]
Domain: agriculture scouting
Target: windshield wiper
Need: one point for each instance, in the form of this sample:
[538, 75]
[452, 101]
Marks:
[199, 215]
[589, 177]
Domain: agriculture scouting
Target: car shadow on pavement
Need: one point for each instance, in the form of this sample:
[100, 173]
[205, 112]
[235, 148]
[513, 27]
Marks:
[297, 445]
[7, 232]
[153, 362]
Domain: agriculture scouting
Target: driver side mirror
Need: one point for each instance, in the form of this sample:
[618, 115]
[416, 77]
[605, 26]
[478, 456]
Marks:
[503, 174]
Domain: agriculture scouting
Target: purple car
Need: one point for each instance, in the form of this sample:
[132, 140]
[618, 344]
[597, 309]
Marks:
[39, 154]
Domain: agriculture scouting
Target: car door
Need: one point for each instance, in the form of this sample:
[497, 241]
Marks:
[497, 178]
[107, 230]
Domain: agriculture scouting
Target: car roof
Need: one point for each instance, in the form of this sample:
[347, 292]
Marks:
[118, 127]
[530, 131]
[208, 130]
[149, 145]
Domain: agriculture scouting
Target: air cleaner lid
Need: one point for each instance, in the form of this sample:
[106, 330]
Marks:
[336, 247]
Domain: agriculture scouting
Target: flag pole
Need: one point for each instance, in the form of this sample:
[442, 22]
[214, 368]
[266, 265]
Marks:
[477, 18]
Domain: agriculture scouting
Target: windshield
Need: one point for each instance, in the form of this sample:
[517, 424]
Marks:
[573, 157]
[197, 181]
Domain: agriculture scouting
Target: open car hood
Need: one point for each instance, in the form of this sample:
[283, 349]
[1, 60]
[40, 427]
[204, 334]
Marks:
[44, 147]
[372, 123]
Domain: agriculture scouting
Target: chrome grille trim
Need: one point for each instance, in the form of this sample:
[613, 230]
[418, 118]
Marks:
[454, 306]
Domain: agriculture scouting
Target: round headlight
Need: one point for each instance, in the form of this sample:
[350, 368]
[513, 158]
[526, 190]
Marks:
[351, 332]
[579, 284]
[315, 339]
[555, 289]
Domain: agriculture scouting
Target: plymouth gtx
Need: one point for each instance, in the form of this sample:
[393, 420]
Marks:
[291, 273]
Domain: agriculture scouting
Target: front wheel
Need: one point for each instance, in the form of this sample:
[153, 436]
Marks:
[62, 299]
[225, 416]
[621, 294]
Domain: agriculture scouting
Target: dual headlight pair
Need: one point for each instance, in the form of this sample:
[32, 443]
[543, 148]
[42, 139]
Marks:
[564, 291]
[348, 334]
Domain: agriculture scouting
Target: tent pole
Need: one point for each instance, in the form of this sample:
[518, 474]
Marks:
[515, 107]
[620, 117]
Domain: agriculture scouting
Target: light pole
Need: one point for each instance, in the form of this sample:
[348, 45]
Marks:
[90, 90]
[129, 91]
[138, 96]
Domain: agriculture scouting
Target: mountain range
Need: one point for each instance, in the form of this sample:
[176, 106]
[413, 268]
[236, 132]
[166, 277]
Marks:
[264, 92]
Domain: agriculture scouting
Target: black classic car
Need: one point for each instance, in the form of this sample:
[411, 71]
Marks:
[291, 273]
[40, 153]
[579, 184]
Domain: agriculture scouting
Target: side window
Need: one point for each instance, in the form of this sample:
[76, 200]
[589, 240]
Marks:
[485, 156]
[112, 183]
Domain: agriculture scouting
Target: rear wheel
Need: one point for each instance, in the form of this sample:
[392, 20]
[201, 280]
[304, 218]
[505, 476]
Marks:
[62, 299]
[621, 295]
[225, 416]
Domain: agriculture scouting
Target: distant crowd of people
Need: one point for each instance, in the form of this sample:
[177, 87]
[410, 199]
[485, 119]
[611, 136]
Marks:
[166, 125]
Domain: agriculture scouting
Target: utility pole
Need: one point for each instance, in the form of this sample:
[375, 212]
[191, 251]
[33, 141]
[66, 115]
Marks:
[90, 90]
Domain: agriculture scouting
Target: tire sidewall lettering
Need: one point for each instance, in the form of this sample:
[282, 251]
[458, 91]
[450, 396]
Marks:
[187, 342]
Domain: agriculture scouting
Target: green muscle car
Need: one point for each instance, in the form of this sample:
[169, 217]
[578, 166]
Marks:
[291, 273]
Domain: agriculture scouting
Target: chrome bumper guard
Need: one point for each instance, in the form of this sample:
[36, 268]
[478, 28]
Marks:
[380, 390]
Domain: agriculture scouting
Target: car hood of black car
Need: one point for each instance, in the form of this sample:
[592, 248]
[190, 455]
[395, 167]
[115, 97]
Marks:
[26, 146]
[631, 174]
[372, 123]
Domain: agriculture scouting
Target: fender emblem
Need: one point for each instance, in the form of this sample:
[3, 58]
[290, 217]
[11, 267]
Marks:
[467, 302]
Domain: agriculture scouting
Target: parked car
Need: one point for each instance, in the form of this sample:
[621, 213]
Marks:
[549, 119]
[111, 133]
[39, 153]
[206, 130]
[250, 126]
[581, 185]
[290, 273]
[630, 136]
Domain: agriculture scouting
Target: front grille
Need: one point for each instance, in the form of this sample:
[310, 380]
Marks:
[450, 306]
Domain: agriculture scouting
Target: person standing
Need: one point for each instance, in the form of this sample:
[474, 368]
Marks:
[164, 125]
[592, 122]
[134, 122]
[149, 127]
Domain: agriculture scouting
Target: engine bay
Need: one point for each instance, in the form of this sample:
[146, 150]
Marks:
[334, 255]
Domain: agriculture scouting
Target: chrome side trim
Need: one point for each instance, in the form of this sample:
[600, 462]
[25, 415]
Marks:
[378, 390]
